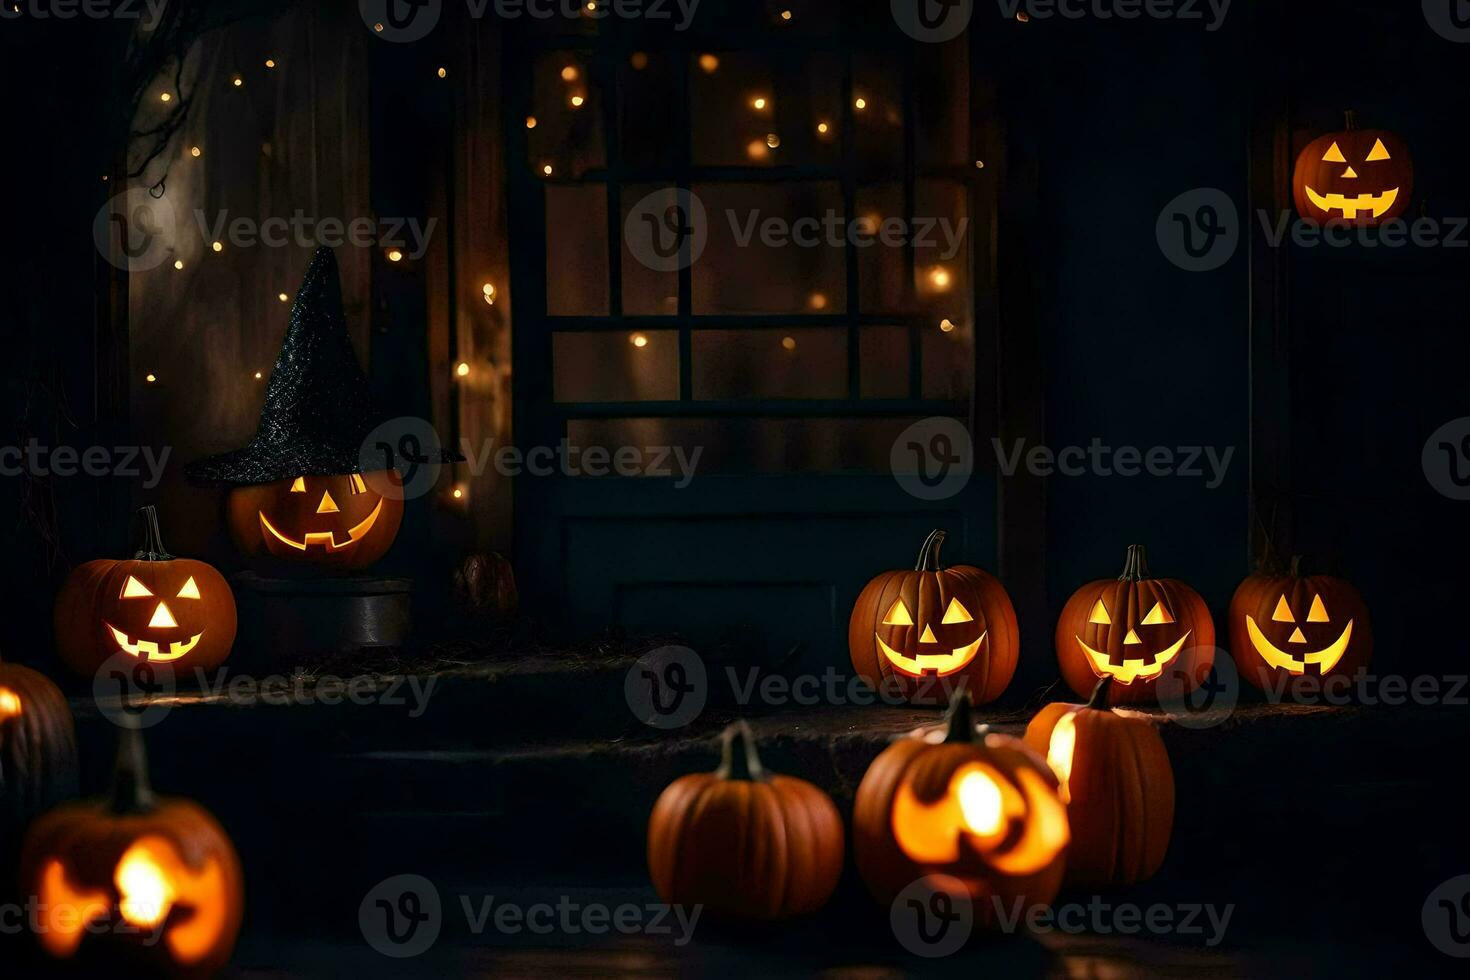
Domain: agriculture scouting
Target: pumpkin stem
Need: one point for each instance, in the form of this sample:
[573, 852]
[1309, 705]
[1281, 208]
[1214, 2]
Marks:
[131, 791]
[960, 719]
[744, 765]
[1135, 565]
[152, 549]
[1296, 566]
[929, 553]
[1350, 119]
[1099, 699]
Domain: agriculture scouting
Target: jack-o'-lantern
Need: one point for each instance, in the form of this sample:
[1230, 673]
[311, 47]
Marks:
[1288, 631]
[978, 807]
[742, 842]
[153, 607]
[1135, 629]
[1117, 784]
[136, 884]
[38, 753]
[1361, 176]
[932, 630]
[343, 521]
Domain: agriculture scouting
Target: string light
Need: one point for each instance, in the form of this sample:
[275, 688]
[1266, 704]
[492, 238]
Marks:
[378, 27]
[395, 255]
[462, 369]
[817, 301]
[939, 277]
[489, 292]
[757, 150]
[530, 122]
[639, 340]
[443, 73]
[708, 63]
[194, 151]
[150, 378]
[459, 493]
[758, 103]
[577, 101]
[785, 15]
[165, 97]
[772, 140]
[270, 62]
[789, 343]
[238, 81]
[822, 127]
[860, 103]
[282, 297]
[178, 264]
[946, 325]
[979, 164]
[546, 170]
[218, 246]
[569, 73]
[258, 375]
[639, 60]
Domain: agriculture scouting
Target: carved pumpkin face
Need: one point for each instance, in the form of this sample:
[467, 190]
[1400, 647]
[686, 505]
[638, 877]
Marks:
[148, 884]
[1362, 176]
[1133, 629]
[1284, 628]
[980, 808]
[347, 521]
[932, 623]
[155, 608]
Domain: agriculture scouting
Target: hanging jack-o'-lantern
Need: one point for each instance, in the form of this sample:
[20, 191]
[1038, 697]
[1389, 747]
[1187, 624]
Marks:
[1117, 784]
[978, 807]
[343, 521]
[1135, 629]
[38, 752]
[153, 607]
[745, 843]
[934, 629]
[1361, 176]
[1291, 630]
[136, 884]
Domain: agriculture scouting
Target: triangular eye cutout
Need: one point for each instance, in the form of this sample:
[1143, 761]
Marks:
[1157, 615]
[956, 613]
[1100, 615]
[1318, 612]
[1379, 152]
[898, 615]
[1283, 612]
[133, 589]
[1334, 155]
[190, 589]
[298, 485]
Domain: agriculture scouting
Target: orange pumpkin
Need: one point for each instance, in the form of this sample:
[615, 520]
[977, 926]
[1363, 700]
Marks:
[1117, 784]
[744, 843]
[1362, 176]
[134, 885]
[981, 808]
[932, 630]
[153, 607]
[1289, 631]
[346, 521]
[38, 752]
[1136, 630]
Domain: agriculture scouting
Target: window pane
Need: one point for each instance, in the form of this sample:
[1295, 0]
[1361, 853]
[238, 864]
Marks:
[877, 112]
[942, 108]
[615, 366]
[576, 250]
[567, 116]
[884, 362]
[882, 265]
[758, 260]
[799, 363]
[648, 291]
[733, 109]
[649, 103]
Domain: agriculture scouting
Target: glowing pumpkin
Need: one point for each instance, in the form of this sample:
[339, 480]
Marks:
[934, 629]
[1361, 176]
[136, 884]
[1133, 629]
[346, 521]
[153, 607]
[1289, 631]
[38, 752]
[1118, 786]
[744, 843]
[978, 807]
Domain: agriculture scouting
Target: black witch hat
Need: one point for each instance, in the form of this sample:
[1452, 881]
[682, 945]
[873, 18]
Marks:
[317, 411]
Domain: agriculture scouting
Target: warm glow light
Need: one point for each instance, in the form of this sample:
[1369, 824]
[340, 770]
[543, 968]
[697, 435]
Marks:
[394, 255]
[238, 81]
[789, 343]
[546, 170]
[639, 340]
[979, 164]
[817, 301]
[190, 589]
[758, 102]
[488, 290]
[639, 61]
[757, 150]
[9, 704]
[133, 589]
[530, 122]
[1059, 752]
[946, 325]
[218, 246]
[569, 73]
[165, 97]
[772, 140]
[898, 615]
[860, 104]
[785, 15]
[822, 127]
[458, 493]
[65, 911]
[282, 297]
[956, 612]
[443, 73]
[146, 892]
[151, 378]
[577, 100]
[178, 263]
[270, 62]
[163, 618]
[327, 505]
[462, 369]
[980, 803]
[194, 151]
[939, 277]
[378, 27]
[258, 375]
[708, 63]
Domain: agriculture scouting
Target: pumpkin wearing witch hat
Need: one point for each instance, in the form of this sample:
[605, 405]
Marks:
[299, 491]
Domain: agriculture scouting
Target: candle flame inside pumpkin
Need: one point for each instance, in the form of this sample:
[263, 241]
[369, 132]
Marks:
[9, 704]
[1059, 753]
